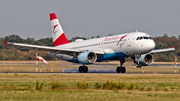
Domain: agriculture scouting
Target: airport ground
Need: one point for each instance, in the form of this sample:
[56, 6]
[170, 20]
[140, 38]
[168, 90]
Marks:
[103, 67]
[55, 86]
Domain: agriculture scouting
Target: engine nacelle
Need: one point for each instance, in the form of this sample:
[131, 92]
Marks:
[87, 57]
[145, 59]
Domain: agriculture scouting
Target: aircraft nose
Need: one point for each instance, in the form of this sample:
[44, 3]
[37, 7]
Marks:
[151, 45]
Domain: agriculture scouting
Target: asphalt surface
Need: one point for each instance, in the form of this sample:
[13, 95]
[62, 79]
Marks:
[94, 71]
[152, 65]
[83, 73]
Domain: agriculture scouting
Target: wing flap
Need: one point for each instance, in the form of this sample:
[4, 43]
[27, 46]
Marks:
[53, 50]
[44, 48]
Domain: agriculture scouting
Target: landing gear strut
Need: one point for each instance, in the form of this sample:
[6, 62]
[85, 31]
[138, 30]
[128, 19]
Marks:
[83, 69]
[121, 69]
[138, 65]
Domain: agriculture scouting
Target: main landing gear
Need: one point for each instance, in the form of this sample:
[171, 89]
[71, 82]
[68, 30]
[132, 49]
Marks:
[121, 69]
[83, 69]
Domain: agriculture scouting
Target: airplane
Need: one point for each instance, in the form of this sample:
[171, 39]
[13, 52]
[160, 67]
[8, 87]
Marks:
[137, 45]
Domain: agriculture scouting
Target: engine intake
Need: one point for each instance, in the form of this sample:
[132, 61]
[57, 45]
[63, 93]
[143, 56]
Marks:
[87, 57]
[145, 59]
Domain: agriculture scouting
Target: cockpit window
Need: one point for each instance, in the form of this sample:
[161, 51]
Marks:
[137, 38]
[144, 37]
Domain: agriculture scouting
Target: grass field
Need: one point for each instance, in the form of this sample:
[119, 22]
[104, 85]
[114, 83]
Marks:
[92, 86]
[136, 87]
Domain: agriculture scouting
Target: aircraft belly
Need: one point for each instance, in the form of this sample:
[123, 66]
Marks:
[112, 56]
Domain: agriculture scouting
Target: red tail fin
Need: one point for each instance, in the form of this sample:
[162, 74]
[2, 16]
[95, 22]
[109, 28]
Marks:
[59, 37]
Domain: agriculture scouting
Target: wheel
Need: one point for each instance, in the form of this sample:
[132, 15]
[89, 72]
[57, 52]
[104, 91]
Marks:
[123, 70]
[138, 66]
[81, 69]
[118, 69]
[85, 69]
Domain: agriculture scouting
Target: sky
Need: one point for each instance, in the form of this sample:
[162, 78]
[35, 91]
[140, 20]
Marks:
[86, 18]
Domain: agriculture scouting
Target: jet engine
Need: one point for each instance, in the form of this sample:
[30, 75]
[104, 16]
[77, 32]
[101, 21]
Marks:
[144, 60]
[87, 57]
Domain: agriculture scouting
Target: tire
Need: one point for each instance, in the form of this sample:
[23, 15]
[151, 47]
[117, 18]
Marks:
[123, 70]
[118, 69]
[138, 66]
[81, 69]
[85, 69]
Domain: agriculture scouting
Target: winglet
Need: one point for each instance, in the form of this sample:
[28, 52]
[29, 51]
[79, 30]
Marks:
[5, 43]
[172, 48]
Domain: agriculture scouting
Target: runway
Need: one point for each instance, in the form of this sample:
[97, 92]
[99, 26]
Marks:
[96, 64]
[85, 73]
[62, 67]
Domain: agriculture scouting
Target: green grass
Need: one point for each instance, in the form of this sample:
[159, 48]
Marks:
[89, 96]
[55, 87]
[92, 86]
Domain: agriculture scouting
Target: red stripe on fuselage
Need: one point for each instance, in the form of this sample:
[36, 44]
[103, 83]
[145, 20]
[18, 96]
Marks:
[60, 40]
[121, 39]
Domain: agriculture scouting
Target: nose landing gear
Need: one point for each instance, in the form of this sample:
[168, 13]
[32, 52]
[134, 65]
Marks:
[138, 65]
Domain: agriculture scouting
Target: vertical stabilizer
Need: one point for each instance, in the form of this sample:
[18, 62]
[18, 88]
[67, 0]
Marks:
[58, 35]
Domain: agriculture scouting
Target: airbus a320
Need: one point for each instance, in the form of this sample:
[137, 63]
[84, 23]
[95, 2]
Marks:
[137, 45]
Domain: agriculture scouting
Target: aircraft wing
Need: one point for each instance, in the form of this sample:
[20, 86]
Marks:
[54, 50]
[162, 50]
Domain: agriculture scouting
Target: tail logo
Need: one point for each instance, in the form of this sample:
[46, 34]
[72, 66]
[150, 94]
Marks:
[54, 29]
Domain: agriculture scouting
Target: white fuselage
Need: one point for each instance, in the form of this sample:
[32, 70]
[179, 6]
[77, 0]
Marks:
[115, 47]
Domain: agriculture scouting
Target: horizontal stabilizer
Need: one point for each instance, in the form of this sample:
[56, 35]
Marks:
[5, 43]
